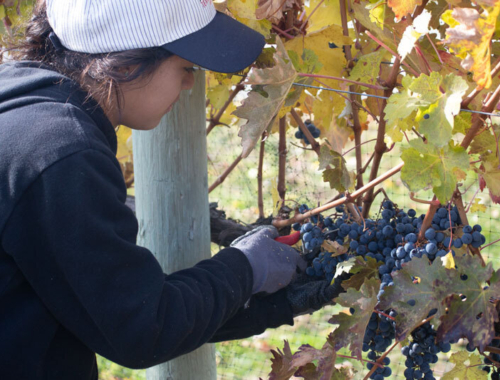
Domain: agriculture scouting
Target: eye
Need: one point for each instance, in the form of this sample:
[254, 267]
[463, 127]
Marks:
[190, 69]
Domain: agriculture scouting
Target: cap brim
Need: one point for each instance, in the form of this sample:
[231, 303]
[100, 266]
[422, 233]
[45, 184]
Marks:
[225, 45]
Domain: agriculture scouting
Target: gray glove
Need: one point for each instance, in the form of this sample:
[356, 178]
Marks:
[273, 264]
[307, 294]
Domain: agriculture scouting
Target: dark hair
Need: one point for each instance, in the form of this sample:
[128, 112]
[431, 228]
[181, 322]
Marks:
[98, 74]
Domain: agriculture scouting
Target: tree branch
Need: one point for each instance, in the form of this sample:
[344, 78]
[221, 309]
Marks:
[380, 146]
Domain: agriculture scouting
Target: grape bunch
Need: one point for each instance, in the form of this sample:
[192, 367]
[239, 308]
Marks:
[392, 240]
[315, 132]
[379, 335]
[422, 351]
[493, 370]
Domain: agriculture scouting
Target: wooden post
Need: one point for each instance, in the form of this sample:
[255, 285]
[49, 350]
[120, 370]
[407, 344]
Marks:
[170, 165]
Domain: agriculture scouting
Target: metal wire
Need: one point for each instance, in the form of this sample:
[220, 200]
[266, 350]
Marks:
[367, 95]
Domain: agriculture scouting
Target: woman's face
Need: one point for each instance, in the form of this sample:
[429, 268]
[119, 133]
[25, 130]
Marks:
[145, 103]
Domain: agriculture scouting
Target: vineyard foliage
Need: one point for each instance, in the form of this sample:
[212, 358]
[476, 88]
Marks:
[423, 74]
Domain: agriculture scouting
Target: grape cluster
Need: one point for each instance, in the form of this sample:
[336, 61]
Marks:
[422, 351]
[392, 240]
[379, 335]
[315, 132]
[493, 370]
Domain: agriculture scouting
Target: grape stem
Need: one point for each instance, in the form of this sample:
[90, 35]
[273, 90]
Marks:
[354, 100]
[309, 16]
[381, 359]
[428, 218]
[492, 349]
[282, 159]
[433, 202]
[472, 201]
[487, 245]
[305, 131]
[224, 175]
[362, 360]
[384, 314]
[216, 120]
[491, 359]
[364, 142]
[348, 198]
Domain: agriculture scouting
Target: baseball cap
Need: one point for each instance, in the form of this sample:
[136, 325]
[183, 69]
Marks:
[192, 29]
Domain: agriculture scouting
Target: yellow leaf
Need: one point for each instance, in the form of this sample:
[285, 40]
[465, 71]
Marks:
[448, 261]
[124, 139]
[402, 8]
[478, 207]
[218, 95]
[470, 35]
[327, 14]
[245, 12]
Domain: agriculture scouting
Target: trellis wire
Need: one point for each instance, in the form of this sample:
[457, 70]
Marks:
[364, 94]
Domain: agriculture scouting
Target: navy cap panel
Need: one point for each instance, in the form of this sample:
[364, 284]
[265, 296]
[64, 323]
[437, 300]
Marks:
[225, 45]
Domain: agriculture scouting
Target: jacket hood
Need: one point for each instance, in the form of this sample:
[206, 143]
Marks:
[26, 82]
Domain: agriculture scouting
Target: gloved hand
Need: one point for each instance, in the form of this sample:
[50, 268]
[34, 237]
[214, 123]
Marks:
[273, 264]
[308, 294]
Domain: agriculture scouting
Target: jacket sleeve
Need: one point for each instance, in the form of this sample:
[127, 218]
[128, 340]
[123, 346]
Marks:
[73, 238]
[263, 312]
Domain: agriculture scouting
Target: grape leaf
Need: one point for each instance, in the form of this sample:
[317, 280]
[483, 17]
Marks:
[377, 13]
[327, 13]
[281, 368]
[400, 111]
[428, 88]
[477, 207]
[462, 371]
[244, 11]
[469, 36]
[462, 123]
[339, 177]
[473, 317]
[402, 8]
[258, 109]
[424, 293]
[273, 9]
[351, 329]
[427, 165]
[367, 68]
[307, 372]
[413, 33]
[489, 176]
[326, 360]
[364, 268]
[218, 95]
[486, 142]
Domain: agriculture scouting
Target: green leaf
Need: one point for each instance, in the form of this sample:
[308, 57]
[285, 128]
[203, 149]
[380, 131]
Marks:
[486, 142]
[427, 87]
[377, 13]
[351, 329]
[462, 122]
[367, 68]
[427, 165]
[461, 371]
[307, 63]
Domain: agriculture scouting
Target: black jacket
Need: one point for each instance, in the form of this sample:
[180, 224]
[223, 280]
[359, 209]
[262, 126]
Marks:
[73, 282]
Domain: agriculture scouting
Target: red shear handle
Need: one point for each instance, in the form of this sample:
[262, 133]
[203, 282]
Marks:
[290, 240]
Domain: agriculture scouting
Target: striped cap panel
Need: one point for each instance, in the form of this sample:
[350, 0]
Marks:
[102, 26]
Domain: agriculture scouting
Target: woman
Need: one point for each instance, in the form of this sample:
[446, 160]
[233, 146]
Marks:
[73, 282]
